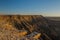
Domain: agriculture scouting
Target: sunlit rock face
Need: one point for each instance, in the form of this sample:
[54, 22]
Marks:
[19, 27]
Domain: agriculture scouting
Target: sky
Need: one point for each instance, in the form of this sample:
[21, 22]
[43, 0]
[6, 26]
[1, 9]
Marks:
[30, 7]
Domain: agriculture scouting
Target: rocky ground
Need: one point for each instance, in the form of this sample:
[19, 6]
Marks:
[26, 27]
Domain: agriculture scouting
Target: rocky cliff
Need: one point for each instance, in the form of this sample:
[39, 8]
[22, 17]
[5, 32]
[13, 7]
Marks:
[19, 27]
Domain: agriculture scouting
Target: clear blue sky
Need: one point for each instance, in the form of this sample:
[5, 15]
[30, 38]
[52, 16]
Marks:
[41, 7]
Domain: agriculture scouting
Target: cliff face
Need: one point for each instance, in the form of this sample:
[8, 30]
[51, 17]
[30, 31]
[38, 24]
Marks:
[17, 26]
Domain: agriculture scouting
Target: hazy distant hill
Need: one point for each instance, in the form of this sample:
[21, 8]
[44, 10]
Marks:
[16, 27]
[54, 18]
